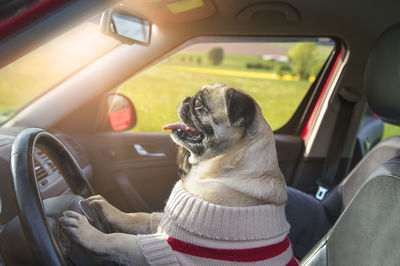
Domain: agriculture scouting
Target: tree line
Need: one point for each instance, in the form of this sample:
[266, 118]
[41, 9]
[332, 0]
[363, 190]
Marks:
[303, 61]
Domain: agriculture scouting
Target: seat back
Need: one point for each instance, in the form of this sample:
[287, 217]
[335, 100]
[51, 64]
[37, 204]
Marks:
[384, 151]
[368, 231]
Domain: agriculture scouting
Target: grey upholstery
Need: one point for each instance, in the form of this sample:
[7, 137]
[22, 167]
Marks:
[382, 152]
[368, 230]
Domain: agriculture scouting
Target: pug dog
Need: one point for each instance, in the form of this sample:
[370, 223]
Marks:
[228, 164]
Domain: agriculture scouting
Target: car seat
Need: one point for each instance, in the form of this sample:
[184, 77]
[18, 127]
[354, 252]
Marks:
[367, 232]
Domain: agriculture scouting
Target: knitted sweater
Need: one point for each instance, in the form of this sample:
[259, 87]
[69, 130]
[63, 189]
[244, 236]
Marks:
[196, 232]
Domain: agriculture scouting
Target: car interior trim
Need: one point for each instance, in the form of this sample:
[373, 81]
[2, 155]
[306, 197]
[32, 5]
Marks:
[27, 17]
[311, 117]
[325, 100]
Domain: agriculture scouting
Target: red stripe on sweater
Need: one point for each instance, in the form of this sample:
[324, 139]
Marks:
[238, 255]
[293, 262]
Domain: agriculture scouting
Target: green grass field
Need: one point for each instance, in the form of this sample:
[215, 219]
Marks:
[157, 93]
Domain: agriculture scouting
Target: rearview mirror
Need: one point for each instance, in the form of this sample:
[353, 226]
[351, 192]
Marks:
[126, 26]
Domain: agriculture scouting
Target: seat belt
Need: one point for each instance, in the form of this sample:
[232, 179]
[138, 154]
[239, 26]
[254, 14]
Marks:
[336, 147]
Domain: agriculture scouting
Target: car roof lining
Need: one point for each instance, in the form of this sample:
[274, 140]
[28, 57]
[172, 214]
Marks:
[166, 12]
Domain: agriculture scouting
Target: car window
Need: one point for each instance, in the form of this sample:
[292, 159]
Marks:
[276, 73]
[39, 70]
[390, 130]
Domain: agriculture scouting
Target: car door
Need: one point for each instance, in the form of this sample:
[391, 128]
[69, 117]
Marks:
[133, 171]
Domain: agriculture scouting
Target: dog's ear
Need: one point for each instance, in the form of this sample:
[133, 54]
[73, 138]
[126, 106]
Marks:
[240, 107]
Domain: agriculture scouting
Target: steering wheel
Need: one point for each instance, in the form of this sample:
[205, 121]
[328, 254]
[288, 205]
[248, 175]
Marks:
[39, 218]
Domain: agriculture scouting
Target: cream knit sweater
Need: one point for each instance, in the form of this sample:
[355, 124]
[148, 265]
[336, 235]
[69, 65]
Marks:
[195, 232]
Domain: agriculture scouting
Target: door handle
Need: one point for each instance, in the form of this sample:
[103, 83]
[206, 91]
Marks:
[142, 152]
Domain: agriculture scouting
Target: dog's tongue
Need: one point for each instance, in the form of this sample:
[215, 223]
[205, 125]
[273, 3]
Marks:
[174, 126]
[179, 125]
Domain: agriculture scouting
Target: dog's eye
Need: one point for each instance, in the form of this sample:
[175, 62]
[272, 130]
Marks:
[197, 104]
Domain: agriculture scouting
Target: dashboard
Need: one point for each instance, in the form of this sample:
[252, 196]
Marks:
[50, 178]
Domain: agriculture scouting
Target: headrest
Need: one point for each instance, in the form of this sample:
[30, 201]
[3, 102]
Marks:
[382, 76]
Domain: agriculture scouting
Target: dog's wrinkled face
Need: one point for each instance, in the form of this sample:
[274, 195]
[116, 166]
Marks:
[213, 120]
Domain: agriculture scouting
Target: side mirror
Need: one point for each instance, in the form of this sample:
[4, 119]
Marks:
[126, 26]
[121, 114]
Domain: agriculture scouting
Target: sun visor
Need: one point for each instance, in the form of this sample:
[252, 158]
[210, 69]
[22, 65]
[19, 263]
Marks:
[176, 11]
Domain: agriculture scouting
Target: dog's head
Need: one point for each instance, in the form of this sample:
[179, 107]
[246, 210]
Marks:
[227, 140]
[213, 120]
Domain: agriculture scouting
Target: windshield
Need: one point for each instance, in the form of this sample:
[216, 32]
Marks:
[38, 71]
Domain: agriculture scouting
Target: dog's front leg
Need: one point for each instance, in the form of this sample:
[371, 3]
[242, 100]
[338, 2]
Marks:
[132, 223]
[117, 247]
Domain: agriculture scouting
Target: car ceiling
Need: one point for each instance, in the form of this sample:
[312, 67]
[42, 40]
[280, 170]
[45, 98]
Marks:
[356, 23]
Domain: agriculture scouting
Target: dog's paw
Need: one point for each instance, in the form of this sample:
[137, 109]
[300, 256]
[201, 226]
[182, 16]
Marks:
[82, 232]
[104, 208]
[119, 221]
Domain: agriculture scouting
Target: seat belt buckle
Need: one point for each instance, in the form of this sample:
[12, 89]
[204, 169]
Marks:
[321, 193]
